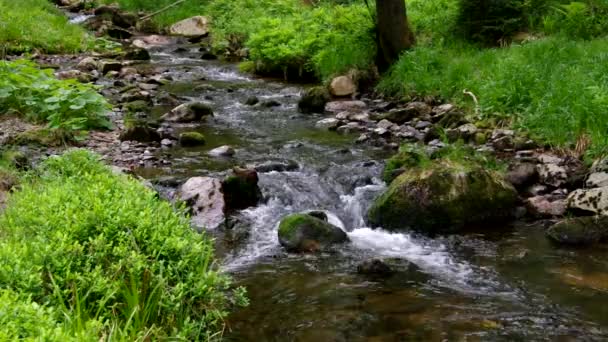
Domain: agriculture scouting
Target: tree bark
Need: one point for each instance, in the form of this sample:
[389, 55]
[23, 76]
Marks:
[394, 34]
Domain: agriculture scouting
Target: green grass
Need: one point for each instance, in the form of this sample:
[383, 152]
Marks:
[36, 25]
[91, 255]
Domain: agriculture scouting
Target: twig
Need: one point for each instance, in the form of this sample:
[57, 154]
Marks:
[466, 92]
[161, 10]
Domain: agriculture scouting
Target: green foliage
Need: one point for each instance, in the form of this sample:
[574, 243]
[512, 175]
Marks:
[28, 25]
[490, 21]
[553, 87]
[584, 20]
[66, 105]
[98, 253]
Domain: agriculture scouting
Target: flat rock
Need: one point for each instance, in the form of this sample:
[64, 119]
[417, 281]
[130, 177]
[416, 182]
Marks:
[348, 106]
[552, 174]
[197, 26]
[204, 196]
[589, 200]
[597, 180]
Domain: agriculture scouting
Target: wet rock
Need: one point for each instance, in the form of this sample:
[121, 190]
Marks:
[277, 166]
[118, 33]
[589, 200]
[252, 101]
[194, 27]
[136, 54]
[552, 174]
[116, 16]
[385, 124]
[443, 197]
[328, 124]
[204, 196]
[375, 267]
[106, 66]
[222, 151]
[350, 127]
[147, 86]
[88, 64]
[314, 100]
[597, 180]
[342, 86]
[241, 189]
[167, 142]
[188, 112]
[522, 175]
[270, 103]
[141, 133]
[208, 56]
[306, 233]
[137, 106]
[189, 139]
[544, 206]
[354, 106]
[579, 231]
[362, 138]
[359, 117]
[404, 159]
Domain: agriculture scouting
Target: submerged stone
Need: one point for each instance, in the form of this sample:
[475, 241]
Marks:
[584, 230]
[313, 100]
[191, 139]
[188, 112]
[307, 233]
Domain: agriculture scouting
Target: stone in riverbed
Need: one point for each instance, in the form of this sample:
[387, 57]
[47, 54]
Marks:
[204, 196]
[306, 233]
[188, 112]
[444, 197]
[136, 54]
[597, 180]
[544, 206]
[328, 124]
[222, 151]
[88, 64]
[106, 66]
[188, 139]
[141, 133]
[353, 106]
[194, 27]
[552, 174]
[342, 86]
[375, 267]
[589, 200]
[241, 189]
[522, 175]
[584, 230]
[252, 101]
[314, 100]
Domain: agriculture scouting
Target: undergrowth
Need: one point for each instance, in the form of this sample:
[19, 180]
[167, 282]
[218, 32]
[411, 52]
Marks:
[65, 105]
[89, 255]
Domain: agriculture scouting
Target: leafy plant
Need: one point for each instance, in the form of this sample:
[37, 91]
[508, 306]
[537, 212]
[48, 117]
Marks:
[103, 256]
[65, 105]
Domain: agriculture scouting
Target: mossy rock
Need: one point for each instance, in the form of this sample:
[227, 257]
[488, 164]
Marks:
[191, 139]
[137, 106]
[306, 233]
[241, 190]
[579, 231]
[314, 100]
[443, 197]
[406, 158]
[140, 132]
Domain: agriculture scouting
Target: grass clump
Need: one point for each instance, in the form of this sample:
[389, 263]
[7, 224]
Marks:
[65, 105]
[97, 254]
[36, 25]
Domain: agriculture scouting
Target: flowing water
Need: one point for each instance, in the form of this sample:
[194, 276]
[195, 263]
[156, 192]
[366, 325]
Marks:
[510, 284]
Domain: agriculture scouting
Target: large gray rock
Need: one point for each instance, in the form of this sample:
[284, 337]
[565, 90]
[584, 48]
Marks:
[342, 86]
[552, 174]
[597, 180]
[197, 26]
[584, 230]
[204, 196]
[188, 112]
[443, 197]
[589, 200]
[309, 233]
[545, 206]
[353, 106]
[314, 100]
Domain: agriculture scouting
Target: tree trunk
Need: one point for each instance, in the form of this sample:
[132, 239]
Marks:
[394, 34]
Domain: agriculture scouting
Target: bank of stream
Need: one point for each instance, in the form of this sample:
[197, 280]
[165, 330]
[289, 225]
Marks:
[509, 283]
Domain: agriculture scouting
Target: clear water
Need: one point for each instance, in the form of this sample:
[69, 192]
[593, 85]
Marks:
[506, 284]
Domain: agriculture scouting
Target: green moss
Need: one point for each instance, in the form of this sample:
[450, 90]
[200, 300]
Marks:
[409, 156]
[303, 233]
[191, 139]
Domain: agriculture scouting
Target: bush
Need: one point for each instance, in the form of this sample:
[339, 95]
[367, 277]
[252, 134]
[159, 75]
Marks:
[99, 249]
[28, 25]
[490, 21]
[583, 20]
[66, 105]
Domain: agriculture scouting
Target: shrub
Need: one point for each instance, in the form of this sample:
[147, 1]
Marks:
[28, 25]
[66, 105]
[99, 249]
[584, 20]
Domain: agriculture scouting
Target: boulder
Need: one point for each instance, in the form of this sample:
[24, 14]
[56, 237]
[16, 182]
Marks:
[521, 175]
[194, 27]
[353, 106]
[589, 200]
[328, 124]
[141, 133]
[189, 139]
[545, 206]
[552, 174]
[307, 233]
[88, 64]
[241, 189]
[204, 196]
[313, 100]
[579, 231]
[342, 86]
[597, 180]
[188, 112]
[222, 151]
[444, 196]
[252, 101]
[405, 159]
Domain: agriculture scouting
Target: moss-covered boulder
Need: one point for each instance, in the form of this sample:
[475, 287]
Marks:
[191, 139]
[307, 233]
[314, 100]
[406, 158]
[188, 112]
[443, 197]
[241, 189]
[579, 231]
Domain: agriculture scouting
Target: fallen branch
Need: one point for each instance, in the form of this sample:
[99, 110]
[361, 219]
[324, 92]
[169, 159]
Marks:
[466, 92]
[161, 10]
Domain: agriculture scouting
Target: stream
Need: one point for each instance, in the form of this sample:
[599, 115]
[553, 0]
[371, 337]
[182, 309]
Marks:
[508, 284]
